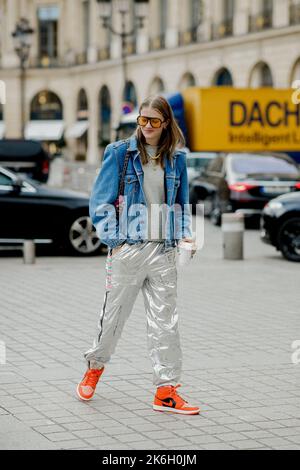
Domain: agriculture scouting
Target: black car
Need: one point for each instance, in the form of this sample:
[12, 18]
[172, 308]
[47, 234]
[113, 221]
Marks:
[244, 182]
[30, 210]
[25, 156]
[280, 225]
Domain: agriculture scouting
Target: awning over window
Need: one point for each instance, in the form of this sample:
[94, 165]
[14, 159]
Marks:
[44, 130]
[77, 130]
[2, 129]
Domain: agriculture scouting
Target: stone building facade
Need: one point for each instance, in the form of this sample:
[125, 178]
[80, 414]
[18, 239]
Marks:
[75, 74]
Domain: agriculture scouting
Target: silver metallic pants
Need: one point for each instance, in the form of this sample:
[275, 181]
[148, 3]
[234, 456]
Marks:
[149, 267]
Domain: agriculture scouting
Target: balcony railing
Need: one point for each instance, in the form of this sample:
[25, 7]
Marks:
[131, 47]
[81, 58]
[157, 43]
[103, 54]
[222, 30]
[187, 37]
[294, 14]
[261, 21]
[46, 62]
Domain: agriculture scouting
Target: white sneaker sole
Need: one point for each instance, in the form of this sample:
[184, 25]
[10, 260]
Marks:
[80, 397]
[174, 410]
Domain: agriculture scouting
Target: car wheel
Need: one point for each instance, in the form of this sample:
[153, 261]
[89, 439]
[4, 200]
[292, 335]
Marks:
[82, 239]
[289, 239]
[215, 214]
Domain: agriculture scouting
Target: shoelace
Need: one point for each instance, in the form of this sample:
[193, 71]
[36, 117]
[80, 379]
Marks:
[92, 378]
[173, 393]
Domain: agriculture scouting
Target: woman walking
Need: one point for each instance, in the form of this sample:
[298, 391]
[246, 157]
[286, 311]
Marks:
[142, 246]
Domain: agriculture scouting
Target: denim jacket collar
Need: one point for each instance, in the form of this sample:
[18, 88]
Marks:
[134, 148]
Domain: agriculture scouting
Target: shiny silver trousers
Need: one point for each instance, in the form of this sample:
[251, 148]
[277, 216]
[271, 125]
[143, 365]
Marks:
[149, 267]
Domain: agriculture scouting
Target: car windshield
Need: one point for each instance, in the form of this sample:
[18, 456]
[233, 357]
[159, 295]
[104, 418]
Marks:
[260, 164]
[198, 162]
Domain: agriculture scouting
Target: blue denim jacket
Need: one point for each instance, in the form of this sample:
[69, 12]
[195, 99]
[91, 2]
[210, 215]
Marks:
[105, 191]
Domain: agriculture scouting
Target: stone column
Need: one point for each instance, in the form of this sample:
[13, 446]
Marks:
[93, 150]
[207, 21]
[94, 32]
[241, 17]
[12, 109]
[11, 12]
[173, 24]
[281, 14]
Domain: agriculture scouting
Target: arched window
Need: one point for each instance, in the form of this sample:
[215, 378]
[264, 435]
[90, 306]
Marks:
[223, 78]
[46, 105]
[187, 80]
[157, 86]
[295, 75]
[104, 116]
[261, 76]
[82, 106]
[129, 94]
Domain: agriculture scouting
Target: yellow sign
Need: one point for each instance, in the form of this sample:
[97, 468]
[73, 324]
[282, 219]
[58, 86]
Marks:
[242, 119]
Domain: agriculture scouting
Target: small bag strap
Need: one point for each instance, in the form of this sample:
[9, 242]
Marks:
[125, 165]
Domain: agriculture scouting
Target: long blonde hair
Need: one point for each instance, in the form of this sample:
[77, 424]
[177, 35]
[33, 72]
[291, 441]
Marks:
[171, 137]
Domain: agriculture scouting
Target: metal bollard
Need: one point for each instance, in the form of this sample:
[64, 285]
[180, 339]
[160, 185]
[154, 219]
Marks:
[233, 235]
[28, 252]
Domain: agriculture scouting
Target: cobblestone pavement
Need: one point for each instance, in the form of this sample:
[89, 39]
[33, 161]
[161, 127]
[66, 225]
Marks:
[238, 320]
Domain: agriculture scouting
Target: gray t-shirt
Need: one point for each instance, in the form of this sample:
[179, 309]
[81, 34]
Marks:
[155, 195]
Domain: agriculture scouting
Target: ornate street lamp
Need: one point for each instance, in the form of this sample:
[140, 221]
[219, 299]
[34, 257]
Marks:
[22, 37]
[123, 6]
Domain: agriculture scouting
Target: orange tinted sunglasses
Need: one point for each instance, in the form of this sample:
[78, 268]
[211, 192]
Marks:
[155, 122]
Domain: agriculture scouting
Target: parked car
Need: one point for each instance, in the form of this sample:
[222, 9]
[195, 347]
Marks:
[30, 210]
[244, 182]
[197, 162]
[26, 157]
[280, 225]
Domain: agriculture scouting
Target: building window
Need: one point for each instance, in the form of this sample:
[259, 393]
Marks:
[46, 105]
[223, 78]
[264, 18]
[261, 76]
[129, 94]
[225, 28]
[195, 19]
[48, 17]
[294, 12]
[228, 9]
[105, 117]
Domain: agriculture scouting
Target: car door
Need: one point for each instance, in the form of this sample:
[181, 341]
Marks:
[8, 205]
[21, 215]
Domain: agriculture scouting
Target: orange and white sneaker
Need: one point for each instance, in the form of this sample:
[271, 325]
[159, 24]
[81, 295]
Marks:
[167, 399]
[87, 387]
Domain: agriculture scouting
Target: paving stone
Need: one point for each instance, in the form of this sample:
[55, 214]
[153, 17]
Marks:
[236, 352]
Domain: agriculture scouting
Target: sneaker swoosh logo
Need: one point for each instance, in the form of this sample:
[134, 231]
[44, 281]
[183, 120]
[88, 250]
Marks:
[169, 402]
